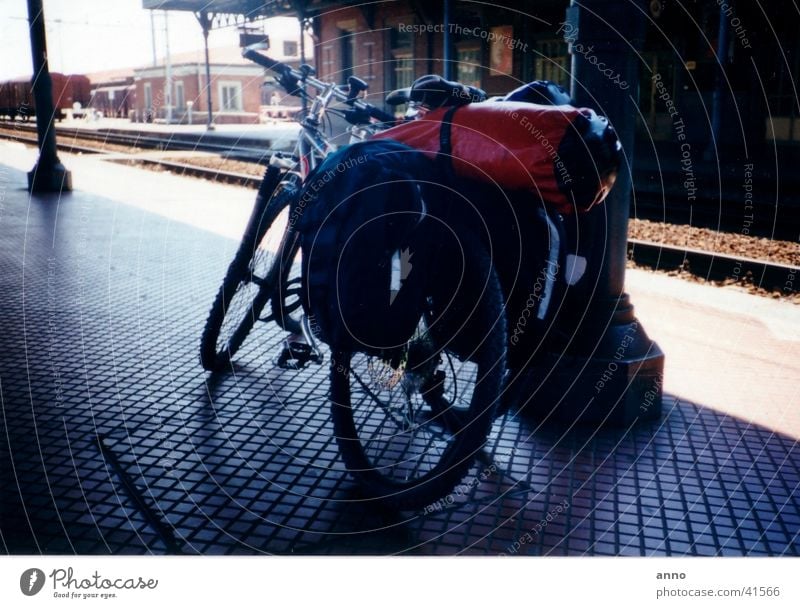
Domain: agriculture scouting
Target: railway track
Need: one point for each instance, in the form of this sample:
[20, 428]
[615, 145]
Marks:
[767, 275]
[229, 177]
[245, 149]
[711, 266]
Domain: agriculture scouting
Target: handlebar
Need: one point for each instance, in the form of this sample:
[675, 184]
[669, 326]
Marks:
[290, 79]
[378, 114]
[264, 61]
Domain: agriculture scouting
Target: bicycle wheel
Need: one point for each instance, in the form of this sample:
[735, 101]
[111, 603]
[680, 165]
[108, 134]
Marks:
[264, 258]
[409, 425]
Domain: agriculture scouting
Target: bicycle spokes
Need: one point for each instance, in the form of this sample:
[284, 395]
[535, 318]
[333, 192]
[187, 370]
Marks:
[402, 420]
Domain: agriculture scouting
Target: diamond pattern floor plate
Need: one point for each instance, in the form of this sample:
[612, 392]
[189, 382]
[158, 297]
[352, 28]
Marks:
[115, 441]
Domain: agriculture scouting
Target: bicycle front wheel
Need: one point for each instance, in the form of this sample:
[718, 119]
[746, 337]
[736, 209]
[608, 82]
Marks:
[253, 276]
[410, 425]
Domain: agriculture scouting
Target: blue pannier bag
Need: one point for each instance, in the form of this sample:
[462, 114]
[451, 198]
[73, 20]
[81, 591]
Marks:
[362, 221]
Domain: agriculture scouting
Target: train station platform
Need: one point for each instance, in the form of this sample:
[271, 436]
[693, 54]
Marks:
[114, 440]
[265, 130]
[277, 135]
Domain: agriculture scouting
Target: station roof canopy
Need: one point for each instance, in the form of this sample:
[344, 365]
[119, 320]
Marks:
[249, 9]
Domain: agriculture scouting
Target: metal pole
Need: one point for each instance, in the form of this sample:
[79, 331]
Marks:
[719, 85]
[153, 37]
[301, 15]
[48, 175]
[302, 38]
[615, 99]
[611, 371]
[205, 23]
[167, 70]
[446, 42]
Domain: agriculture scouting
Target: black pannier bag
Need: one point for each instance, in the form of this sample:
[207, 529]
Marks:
[526, 244]
[362, 222]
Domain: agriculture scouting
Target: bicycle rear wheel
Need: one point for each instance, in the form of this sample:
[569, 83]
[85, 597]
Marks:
[263, 261]
[410, 425]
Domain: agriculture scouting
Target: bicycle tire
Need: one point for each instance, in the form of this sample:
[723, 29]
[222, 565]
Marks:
[456, 459]
[217, 347]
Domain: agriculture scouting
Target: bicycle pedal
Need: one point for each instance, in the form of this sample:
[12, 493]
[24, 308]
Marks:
[296, 355]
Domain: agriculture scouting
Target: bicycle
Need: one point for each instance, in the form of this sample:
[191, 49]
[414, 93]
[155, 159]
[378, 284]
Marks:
[409, 420]
[264, 271]
[257, 276]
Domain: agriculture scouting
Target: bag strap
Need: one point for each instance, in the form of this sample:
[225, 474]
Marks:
[444, 157]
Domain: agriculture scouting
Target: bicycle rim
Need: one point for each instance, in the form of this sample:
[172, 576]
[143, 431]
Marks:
[409, 425]
[249, 283]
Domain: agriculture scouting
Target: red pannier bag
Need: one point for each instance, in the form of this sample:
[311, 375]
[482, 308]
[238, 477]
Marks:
[568, 156]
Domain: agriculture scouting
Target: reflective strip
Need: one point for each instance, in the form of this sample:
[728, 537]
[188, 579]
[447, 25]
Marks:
[576, 266]
[397, 275]
[552, 262]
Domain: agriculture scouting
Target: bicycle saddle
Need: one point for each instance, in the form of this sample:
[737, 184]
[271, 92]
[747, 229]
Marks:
[398, 97]
[543, 92]
[434, 92]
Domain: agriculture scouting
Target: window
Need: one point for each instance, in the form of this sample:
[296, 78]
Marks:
[289, 48]
[469, 66]
[369, 49]
[402, 40]
[180, 98]
[402, 48]
[230, 96]
[327, 62]
[552, 62]
[403, 71]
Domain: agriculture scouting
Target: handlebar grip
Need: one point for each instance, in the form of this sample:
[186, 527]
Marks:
[264, 61]
[355, 86]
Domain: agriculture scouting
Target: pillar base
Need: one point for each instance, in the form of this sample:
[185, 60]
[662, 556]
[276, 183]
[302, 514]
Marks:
[53, 178]
[617, 385]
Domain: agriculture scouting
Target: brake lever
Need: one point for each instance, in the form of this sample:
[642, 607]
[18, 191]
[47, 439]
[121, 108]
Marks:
[290, 84]
[356, 116]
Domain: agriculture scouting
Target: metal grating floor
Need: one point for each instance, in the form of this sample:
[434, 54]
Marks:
[114, 439]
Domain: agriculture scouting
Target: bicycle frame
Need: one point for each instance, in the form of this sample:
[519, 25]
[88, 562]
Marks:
[310, 150]
[312, 145]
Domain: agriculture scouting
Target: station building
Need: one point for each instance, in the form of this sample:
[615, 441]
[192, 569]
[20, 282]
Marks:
[736, 102]
[496, 46]
[235, 89]
[240, 93]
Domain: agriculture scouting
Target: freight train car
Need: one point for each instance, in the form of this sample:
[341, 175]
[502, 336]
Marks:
[15, 100]
[16, 96]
